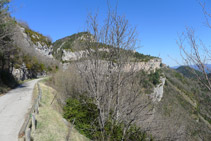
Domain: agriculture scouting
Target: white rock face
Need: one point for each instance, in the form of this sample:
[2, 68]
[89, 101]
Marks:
[22, 39]
[44, 50]
[24, 42]
[21, 73]
[158, 91]
[149, 66]
[60, 47]
[69, 56]
[104, 49]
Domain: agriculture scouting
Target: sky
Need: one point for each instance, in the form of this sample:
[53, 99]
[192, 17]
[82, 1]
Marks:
[158, 22]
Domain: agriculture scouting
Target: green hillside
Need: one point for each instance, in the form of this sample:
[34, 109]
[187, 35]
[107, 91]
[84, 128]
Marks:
[78, 42]
[72, 43]
[189, 72]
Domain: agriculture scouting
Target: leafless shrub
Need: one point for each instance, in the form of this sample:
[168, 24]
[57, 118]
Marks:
[195, 53]
[206, 12]
[67, 83]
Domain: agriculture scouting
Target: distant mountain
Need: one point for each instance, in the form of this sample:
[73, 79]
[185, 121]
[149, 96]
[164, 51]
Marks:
[175, 67]
[188, 71]
[208, 66]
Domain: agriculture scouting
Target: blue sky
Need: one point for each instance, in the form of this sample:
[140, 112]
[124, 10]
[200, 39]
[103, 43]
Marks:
[158, 21]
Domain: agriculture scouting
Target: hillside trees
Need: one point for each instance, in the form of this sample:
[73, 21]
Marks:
[35, 61]
[194, 52]
[6, 48]
[114, 88]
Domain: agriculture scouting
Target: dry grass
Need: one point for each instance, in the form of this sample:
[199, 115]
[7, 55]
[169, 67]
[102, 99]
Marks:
[76, 136]
[35, 92]
[50, 123]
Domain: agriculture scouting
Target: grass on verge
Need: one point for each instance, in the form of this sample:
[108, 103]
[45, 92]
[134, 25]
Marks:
[50, 123]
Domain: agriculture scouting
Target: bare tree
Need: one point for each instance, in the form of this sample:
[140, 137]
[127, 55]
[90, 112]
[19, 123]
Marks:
[109, 74]
[206, 12]
[195, 53]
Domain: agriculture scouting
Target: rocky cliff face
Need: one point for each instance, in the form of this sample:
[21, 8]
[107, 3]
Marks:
[23, 73]
[33, 44]
[150, 66]
[72, 56]
[26, 38]
[158, 91]
[71, 47]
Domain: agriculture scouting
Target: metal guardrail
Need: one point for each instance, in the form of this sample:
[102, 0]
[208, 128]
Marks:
[30, 121]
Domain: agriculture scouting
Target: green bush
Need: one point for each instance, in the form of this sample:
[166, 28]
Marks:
[33, 65]
[84, 114]
[145, 84]
[37, 37]
[142, 57]
[155, 77]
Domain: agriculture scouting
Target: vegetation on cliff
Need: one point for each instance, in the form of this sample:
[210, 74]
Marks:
[17, 56]
[7, 51]
[37, 37]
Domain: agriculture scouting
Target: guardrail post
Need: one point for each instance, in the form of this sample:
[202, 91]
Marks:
[40, 92]
[28, 134]
[33, 122]
[36, 108]
[39, 100]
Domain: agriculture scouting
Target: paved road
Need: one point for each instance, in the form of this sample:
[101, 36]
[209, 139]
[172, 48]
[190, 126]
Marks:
[13, 107]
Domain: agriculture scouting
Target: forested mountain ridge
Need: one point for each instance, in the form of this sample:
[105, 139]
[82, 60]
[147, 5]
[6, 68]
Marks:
[64, 49]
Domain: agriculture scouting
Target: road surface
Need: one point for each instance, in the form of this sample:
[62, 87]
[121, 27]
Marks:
[13, 108]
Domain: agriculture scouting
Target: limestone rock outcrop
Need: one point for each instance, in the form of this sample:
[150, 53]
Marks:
[32, 42]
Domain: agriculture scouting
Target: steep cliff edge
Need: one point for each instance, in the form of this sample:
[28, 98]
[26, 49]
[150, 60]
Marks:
[73, 48]
[28, 38]
[35, 51]
[181, 110]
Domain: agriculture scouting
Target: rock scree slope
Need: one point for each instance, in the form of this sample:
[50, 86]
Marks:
[13, 108]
